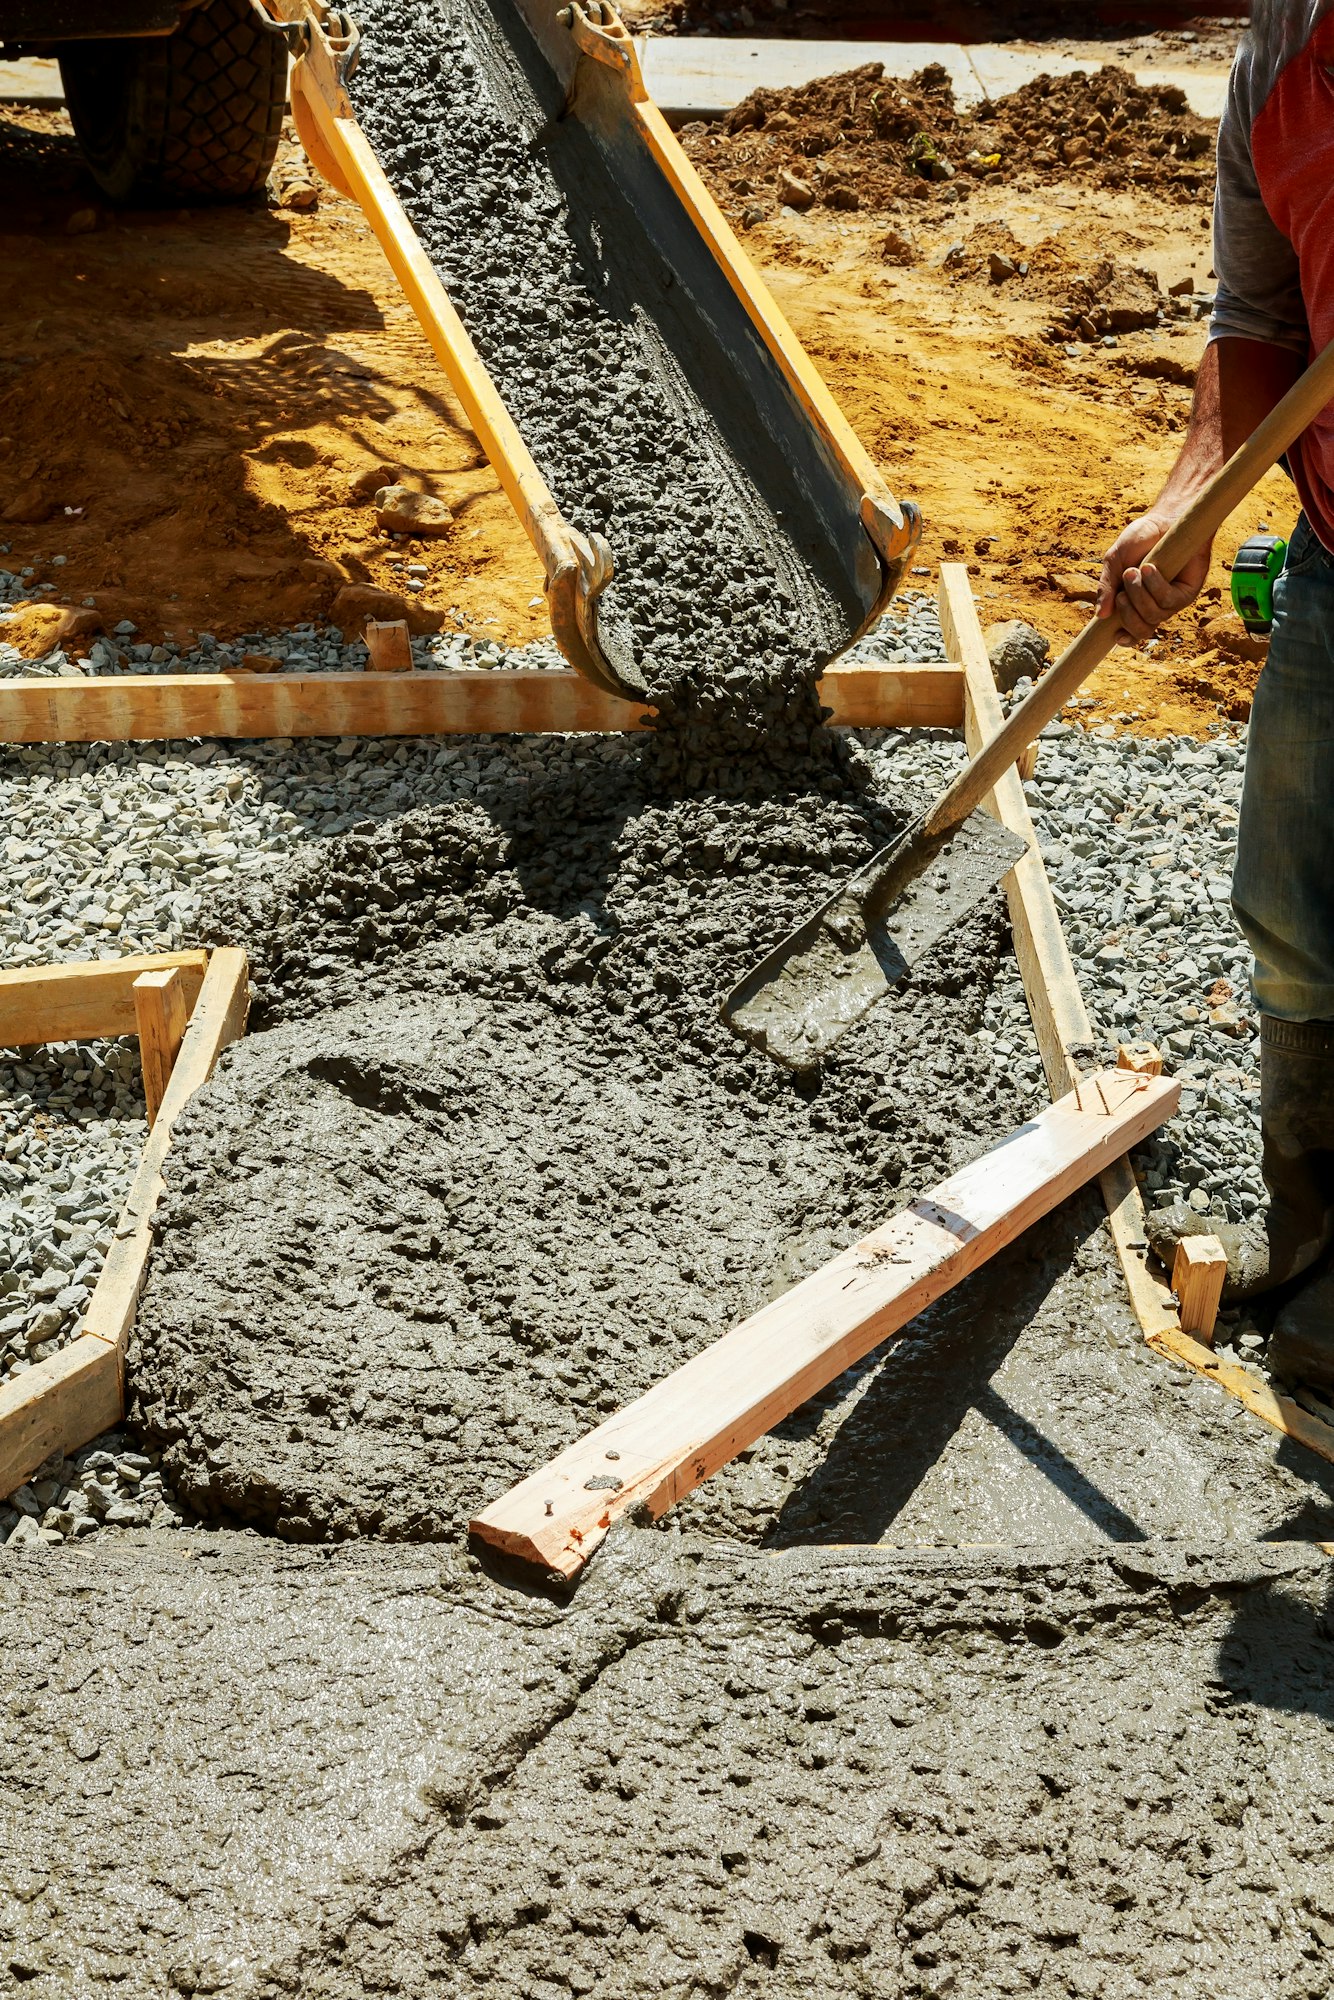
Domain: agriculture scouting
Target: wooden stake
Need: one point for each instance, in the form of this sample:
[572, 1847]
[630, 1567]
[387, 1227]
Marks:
[389, 646]
[661, 1447]
[162, 1016]
[1144, 1057]
[1198, 1272]
[132, 708]
[85, 999]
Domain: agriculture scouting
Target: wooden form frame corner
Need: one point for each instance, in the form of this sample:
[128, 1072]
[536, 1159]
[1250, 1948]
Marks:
[74, 1395]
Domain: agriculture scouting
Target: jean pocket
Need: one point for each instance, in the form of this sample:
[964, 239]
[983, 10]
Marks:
[1305, 550]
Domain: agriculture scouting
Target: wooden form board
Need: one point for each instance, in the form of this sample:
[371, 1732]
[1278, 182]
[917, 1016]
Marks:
[87, 998]
[1062, 1027]
[72, 1396]
[662, 1446]
[124, 708]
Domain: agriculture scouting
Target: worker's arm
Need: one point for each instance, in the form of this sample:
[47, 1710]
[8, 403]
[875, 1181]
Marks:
[1239, 383]
[1258, 344]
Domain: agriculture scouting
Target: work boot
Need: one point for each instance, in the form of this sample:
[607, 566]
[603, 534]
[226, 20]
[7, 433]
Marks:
[1301, 1347]
[1297, 1134]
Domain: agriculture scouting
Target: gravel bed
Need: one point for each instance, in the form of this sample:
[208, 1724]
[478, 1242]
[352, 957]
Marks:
[115, 848]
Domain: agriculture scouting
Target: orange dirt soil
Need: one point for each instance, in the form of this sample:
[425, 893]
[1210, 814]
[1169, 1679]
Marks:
[205, 387]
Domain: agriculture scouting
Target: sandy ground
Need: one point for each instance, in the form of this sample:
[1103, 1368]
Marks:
[202, 387]
[242, 366]
[1025, 462]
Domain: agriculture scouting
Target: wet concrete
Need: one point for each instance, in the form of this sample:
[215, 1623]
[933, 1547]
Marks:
[231, 1768]
[488, 1165]
[727, 597]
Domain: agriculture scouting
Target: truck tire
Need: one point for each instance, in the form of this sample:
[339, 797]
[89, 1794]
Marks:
[194, 116]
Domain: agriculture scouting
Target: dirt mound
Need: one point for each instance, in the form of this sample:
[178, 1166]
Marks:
[863, 140]
[1101, 128]
[991, 254]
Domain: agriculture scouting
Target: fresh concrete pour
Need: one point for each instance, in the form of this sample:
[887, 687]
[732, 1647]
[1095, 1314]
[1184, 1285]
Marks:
[487, 1165]
[240, 1770]
[717, 601]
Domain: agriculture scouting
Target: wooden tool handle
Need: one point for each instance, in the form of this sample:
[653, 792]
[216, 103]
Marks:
[1193, 532]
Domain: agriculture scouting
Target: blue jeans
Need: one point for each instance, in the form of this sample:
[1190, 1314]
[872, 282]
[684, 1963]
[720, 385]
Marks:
[1283, 883]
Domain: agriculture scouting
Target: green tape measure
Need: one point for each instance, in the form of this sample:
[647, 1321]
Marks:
[1257, 567]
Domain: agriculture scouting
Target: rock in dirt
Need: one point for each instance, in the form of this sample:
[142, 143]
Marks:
[356, 602]
[401, 511]
[1073, 586]
[1017, 652]
[1111, 298]
[32, 504]
[364, 485]
[794, 192]
[1229, 634]
[35, 630]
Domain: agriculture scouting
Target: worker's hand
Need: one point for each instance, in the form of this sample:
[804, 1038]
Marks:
[1136, 594]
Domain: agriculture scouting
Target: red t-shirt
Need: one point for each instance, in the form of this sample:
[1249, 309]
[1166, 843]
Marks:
[1274, 217]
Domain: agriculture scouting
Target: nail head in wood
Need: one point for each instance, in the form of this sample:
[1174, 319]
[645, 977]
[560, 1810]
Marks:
[1143, 1057]
[162, 1015]
[1198, 1271]
[389, 646]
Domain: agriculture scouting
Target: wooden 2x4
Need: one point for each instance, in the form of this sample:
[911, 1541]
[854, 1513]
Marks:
[76, 1394]
[124, 708]
[662, 1446]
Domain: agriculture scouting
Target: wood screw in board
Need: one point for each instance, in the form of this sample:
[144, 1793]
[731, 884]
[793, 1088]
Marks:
[1198, 1272]
[162, 1016]
[389, 646]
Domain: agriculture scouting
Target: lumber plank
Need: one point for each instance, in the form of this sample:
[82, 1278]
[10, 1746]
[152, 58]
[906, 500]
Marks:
[85, 999]
[124, 708]
[662, 1446]
[162, 1017]
[72, 1396]
[57, 1405]
[1275, 1409]
[1060, 1019]
[1198, 1271]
